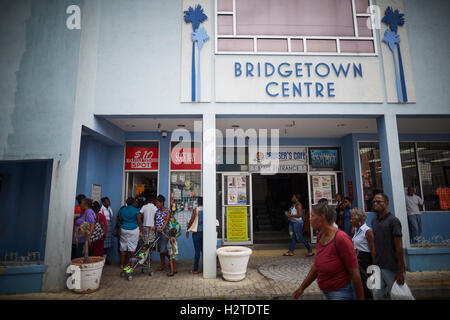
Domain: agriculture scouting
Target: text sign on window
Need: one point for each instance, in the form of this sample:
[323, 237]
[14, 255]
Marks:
[141, 159]
[186, 159]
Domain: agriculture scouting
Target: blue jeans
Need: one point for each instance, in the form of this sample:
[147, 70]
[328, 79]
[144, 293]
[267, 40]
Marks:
[296, 232]
[347, 292]
[415, 226]
[197, 238]
[387, 280]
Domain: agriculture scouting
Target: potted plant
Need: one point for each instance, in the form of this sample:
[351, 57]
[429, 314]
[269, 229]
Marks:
[233, 262]
[86, 271]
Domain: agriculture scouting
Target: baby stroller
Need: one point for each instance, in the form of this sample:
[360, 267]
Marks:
[141, 258]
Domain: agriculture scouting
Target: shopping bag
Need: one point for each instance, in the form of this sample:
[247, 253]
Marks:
[399, 292]
[194, 225]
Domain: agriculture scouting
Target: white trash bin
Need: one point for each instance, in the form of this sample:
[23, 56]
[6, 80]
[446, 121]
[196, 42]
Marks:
[85, 276]
[233, 262]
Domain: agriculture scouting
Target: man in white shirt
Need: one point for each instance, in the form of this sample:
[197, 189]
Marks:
[149, 211]
[414, 204]
[108, 213]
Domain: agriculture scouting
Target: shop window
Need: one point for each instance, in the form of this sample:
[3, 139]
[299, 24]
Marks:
[409, 166]
[294, 26]
[185, 180]
[369, 153]
[434, 165]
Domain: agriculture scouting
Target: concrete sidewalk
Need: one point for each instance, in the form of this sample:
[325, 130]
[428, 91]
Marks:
[256, 286]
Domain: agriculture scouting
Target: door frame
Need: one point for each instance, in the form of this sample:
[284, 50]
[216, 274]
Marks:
[248, 205]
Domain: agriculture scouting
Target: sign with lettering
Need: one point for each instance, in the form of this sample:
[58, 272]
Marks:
[324, 158]
[237, 224]
[298, 79]
[141, 159]
[285, 160]
[186, 159]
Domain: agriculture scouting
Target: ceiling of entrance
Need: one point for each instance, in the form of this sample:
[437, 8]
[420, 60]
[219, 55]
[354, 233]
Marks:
[303, 127]
[290, 127]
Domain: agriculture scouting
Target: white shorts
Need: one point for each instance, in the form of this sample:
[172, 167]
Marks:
[129, 239]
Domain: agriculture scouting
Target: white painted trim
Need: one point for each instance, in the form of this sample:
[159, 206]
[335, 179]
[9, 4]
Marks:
[234, 17]
[355, 22]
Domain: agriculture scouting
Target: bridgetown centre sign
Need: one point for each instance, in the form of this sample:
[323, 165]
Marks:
[298, 71]
[298, 79]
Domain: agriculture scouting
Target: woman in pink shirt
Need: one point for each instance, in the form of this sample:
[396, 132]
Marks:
[335, 266]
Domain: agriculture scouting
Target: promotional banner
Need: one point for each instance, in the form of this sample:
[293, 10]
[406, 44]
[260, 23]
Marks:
[141, 159]
[286, 160]
[237, 224]
[186, 159]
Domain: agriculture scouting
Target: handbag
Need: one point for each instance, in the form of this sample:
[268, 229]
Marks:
[98, 231]
[194, 224]
[117, 226]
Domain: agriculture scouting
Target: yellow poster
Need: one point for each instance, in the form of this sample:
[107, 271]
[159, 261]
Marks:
[237, 224]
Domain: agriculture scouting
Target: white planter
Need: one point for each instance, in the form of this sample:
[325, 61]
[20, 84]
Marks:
[233, 262]
[85, 276]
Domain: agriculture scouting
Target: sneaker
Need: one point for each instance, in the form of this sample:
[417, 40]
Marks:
[127, 269]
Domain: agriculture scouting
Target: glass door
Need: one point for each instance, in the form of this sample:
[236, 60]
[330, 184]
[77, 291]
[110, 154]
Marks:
[237, 211]
[322, 185]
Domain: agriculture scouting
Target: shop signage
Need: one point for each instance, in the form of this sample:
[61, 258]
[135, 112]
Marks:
[237, 224]
[324, 158]
[186, 159]
[298, 79]
[141, 159]
[285, 160]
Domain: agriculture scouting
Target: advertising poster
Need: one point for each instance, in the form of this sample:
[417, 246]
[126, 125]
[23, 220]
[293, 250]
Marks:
[237, 224]
[322, 188]
[237, 190]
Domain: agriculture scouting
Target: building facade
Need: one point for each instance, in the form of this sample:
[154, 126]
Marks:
[269, 97]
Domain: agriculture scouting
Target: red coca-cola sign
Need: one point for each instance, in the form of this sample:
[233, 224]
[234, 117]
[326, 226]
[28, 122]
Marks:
[186, 159]
[141, 159]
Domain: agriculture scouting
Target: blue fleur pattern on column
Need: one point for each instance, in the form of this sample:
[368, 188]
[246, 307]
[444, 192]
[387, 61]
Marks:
[391, 38]
[200, 36]
[195, 17]
[394, 19]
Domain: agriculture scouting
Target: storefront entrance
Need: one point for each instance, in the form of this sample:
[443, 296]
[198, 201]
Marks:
[271, 198]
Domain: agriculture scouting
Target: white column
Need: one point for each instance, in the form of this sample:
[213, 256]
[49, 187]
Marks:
[209, 196]
[392, 175]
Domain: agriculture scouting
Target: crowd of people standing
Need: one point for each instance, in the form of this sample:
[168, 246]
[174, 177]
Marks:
[145, 217]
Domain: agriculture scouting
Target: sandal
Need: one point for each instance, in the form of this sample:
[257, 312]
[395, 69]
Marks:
[310, 255]
[288, 254]
[170, 274]
[193, 272]
[160, 269]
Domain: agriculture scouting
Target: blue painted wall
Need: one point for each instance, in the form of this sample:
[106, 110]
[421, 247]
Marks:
[24, 201]
[101, 164]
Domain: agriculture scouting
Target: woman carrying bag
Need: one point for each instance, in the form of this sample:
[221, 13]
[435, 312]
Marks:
[195, 226]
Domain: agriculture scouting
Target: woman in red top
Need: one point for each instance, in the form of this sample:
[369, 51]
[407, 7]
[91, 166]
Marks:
[335, 266]
[97, 248]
